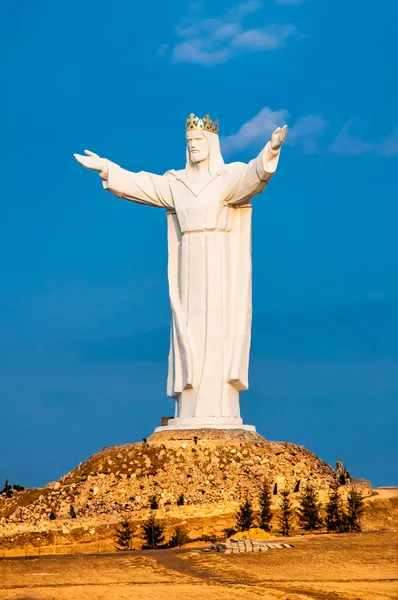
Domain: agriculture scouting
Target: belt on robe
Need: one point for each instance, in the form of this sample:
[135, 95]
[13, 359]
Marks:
[206, 230]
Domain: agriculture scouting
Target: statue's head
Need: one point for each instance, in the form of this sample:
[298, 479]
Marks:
[203, 144]
[198, 146]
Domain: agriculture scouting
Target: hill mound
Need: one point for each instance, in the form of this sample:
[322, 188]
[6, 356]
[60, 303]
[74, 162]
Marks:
[220, 466]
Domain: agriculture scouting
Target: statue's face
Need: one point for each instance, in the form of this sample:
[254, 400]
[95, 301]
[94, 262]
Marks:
[198, 146]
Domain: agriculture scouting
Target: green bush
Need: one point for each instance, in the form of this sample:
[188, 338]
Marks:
[355, 509]
[286, 516]
[153, 532]
[334, 511]
[265, 514]
[309, 509]
[245, 516]
[124, 536]
[180, 537]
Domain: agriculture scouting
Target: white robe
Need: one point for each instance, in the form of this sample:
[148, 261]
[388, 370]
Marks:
[209, 271]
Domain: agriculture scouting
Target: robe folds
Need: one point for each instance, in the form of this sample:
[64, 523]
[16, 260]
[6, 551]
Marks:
[209, 274]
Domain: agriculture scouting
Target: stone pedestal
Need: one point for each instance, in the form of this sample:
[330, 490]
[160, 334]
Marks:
[180, 423]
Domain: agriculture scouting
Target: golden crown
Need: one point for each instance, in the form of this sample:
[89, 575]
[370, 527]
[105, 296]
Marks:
[193, 122]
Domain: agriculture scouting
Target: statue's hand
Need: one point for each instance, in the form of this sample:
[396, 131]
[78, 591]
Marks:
[278, 137]
[91, 161]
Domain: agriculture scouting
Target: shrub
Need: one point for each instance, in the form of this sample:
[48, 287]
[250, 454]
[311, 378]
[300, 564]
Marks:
[124, 536]
[265, 515]
[72, 512]
[153, 532]
[53, 516]
[309, 509]
[229, 532]
[245, 516]
[18, 488]
[180, 537]
[180, 500]
[286, 516]
[355, 509]
[334, 511]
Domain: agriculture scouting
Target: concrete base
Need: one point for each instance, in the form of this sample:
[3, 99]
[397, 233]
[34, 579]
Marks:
[205, 423]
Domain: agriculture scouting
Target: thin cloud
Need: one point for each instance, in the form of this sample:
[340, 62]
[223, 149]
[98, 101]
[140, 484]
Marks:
[305, 132]
[268, 38]
[389, 146]
[310, 133]
[213, 41]
[255, 130]
[163, 50]
[349, 144]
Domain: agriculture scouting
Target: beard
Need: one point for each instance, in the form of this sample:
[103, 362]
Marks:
[197, 157]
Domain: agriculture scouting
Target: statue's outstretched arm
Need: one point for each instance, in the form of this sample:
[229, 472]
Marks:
[254, 177]
[142, 188]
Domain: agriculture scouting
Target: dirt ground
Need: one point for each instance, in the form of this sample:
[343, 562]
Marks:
[325, 567]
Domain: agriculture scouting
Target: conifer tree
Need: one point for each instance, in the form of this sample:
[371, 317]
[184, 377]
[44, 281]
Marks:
[265, 514]
[245, 516]
[334, 510]
[7, 490]
[286, 516]
[152, 532]
[124, 536]
[309, 509]
[355, 509]
[180, 537]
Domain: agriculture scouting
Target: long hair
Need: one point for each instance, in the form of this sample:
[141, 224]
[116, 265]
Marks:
[216, 161]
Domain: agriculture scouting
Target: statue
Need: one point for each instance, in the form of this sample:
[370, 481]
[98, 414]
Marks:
[208, 207]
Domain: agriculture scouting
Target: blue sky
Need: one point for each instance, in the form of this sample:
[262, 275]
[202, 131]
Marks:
[84, 311]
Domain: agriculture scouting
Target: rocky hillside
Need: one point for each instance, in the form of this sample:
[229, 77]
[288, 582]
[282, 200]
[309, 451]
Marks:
[218, 467]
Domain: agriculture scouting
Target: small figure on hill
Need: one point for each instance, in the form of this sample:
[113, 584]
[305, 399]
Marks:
[245, 516]
[334, 510]
[52, 516]
[195, 439]
[72, 512]
[154, 505]
[180, 500]
[309, 509]
[240, 489]
[124, 536]
[286, 516]
[265, 514]
[180, 537]
[144, 441]
[275, 490]
[152, 532]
